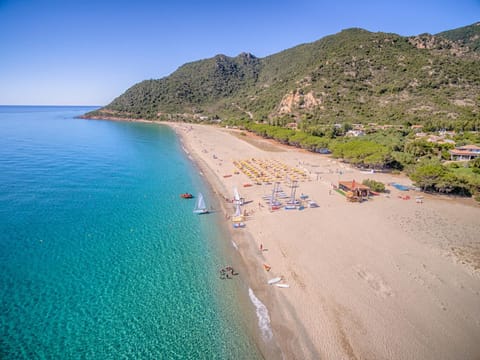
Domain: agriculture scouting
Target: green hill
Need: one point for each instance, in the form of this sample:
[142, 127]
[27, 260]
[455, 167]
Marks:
[467, 35]
[354, 76]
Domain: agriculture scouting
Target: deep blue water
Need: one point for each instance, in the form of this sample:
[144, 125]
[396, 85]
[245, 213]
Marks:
[99, 256]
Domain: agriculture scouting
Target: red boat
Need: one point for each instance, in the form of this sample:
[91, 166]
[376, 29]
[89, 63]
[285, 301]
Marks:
[186, 196]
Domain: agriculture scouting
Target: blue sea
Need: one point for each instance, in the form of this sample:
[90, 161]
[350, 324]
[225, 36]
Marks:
[99, 256]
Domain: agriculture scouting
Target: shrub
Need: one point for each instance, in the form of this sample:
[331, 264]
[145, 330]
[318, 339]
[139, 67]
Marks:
[477, 197]
[374, 185]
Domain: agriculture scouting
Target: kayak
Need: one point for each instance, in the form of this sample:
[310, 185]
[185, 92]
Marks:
[274, 280]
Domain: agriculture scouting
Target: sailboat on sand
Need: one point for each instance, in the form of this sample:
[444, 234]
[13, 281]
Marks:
[237, 217]
[200, 206]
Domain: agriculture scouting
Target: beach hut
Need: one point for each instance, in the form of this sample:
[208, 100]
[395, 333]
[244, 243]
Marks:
[354, 190]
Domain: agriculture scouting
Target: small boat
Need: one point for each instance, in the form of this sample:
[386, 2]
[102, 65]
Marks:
[200, 206]
[227, 175]
[247, 185]
[282, 285]
[186, 196]
[274, 280]
[238, 225]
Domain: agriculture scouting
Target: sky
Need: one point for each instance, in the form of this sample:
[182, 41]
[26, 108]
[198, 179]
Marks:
[87, 52]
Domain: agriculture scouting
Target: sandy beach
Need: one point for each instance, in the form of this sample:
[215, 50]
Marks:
[389, 278]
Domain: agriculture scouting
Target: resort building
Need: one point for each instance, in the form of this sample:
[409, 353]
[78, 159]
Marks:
[466, 152]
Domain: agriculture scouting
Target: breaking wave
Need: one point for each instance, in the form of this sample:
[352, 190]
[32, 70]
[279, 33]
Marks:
[262, 315]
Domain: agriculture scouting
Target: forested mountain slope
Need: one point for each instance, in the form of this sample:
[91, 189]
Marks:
[355, 76]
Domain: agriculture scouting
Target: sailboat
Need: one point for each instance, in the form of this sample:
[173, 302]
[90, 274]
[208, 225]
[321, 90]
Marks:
[200, 206]
[237, 217]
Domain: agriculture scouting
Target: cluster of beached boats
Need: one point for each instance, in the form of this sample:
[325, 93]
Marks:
[278, 199]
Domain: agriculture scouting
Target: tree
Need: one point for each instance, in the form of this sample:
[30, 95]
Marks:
[297, 139]
[314, 143]
[347, 127]
[333, 132]
[447, 183]
[362, 152]
[419, 148]
[374, 185]
[401, 159]
[428, 175]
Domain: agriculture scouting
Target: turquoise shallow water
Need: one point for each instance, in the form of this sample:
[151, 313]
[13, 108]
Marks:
[99, 257]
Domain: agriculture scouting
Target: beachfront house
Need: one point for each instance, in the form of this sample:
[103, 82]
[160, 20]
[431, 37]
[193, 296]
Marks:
[465, 153]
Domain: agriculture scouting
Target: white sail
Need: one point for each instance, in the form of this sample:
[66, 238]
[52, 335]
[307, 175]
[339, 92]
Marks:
[236, 195]
[200, 207]
[237, 216]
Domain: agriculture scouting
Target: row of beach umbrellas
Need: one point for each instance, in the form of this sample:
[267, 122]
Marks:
[268, 170]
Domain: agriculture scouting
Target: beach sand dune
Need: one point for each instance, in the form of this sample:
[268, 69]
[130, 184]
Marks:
[384, 279]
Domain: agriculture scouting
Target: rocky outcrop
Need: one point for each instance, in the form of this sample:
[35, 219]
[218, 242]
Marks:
[297, 100]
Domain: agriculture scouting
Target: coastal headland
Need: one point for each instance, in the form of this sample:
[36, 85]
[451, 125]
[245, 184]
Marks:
[387, 278]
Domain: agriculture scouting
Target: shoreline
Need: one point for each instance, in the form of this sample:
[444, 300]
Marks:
[388, 278]
[329, 276]
[241, 244]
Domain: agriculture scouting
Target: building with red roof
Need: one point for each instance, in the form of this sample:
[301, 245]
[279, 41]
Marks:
[465, 153]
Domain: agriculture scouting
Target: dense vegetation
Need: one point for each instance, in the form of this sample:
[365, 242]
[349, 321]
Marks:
[330, 86]
[467, 35]
[401, 150]
[374, 185]
[355, 76]
[434, 176]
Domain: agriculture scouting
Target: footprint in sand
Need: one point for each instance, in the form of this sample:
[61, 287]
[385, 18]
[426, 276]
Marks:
[376, 283]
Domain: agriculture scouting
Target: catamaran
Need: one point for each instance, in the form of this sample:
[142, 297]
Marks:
[200, 206]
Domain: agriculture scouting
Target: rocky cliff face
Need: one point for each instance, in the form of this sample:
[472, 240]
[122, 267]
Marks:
[297, 100]
[431, 42]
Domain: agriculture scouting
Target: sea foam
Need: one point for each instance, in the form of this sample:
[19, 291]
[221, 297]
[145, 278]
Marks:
[263, 317]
